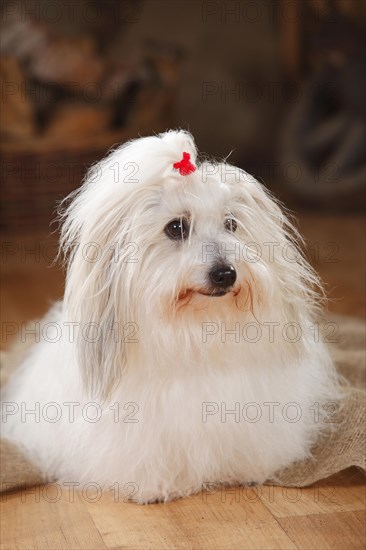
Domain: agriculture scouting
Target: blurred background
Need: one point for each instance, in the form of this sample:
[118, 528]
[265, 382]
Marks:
[279, 84]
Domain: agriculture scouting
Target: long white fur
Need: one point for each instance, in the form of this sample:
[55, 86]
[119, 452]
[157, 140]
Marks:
[172, 373]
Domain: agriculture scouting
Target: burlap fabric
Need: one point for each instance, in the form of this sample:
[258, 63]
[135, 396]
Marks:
[344, 444]
[340, 447]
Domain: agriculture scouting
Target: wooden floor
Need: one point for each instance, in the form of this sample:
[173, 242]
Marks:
[328, 515]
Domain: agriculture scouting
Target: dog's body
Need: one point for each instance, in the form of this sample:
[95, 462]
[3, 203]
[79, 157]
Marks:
[199, 348]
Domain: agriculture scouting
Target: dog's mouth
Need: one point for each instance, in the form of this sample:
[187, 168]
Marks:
[213, 293]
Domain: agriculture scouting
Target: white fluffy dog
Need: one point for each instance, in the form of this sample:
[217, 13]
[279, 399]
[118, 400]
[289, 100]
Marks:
[185, 351]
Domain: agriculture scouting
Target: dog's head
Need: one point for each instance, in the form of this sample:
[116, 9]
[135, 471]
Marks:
[157, 239]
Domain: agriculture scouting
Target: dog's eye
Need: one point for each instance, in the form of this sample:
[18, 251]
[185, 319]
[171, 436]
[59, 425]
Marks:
[231, 225]
[177, 229]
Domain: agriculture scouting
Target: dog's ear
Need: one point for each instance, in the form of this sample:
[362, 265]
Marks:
[99, 258]
[95, 300]
[298, 289]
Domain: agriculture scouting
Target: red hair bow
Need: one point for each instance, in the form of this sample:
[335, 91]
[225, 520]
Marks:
[185, 166]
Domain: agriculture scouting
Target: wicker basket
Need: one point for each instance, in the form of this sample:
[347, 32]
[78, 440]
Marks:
[35, 175]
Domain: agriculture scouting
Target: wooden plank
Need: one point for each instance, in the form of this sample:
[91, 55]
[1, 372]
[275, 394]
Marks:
[344, 492]
[339, 531]
[30, 519]
[290, 37]
[204, 521]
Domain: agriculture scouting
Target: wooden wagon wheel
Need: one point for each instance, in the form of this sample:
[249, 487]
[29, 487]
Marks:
[324, 144]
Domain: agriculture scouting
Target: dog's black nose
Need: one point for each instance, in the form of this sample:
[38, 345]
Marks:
[223, 276]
